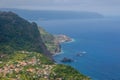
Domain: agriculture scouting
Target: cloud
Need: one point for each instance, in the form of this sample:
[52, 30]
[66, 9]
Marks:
[101, 6]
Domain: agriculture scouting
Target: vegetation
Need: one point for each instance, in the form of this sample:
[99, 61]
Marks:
[52, 45]
[18, 34]
[67, 73]
[23, 65]
[22, 52]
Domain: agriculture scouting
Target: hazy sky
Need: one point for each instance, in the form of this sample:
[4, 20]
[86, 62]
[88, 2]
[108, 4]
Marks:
[107, 7]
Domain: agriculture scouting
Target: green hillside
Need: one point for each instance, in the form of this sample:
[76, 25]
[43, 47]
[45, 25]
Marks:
[24, 55]
[18, 34]
[52, 45]
[23, 65]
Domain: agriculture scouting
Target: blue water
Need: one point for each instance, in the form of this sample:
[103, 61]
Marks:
[100, 38]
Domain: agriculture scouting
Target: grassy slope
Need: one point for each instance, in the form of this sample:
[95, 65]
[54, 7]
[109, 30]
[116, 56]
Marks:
[34, 66]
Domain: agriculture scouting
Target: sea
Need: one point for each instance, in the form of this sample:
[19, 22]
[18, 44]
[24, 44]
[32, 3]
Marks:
[98, 38]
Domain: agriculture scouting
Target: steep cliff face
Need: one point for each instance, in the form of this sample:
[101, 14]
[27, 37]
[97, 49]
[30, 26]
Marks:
[53, 42]
[18, 34]
[50, 41]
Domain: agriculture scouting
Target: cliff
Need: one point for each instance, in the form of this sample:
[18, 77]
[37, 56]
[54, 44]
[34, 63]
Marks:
[53, 42]
[50, 41]
[24, 55]
[17, 34]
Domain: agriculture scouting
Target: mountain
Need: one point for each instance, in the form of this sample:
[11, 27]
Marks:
[24, 56]
[17, 34]
[53, 15]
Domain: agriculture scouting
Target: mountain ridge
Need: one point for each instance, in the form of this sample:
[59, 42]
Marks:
[19, 34]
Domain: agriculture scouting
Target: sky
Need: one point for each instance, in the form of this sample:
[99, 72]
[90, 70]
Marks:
[106, 7]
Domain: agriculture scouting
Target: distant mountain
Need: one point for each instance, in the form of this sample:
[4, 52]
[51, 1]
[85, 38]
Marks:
[52, 14]
[17, 34]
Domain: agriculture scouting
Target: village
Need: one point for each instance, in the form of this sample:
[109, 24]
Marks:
[28, 64]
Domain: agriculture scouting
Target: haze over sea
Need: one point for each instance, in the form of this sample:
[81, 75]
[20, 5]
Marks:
[100, 38]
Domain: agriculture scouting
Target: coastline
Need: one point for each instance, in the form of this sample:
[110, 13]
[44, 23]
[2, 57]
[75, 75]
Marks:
[58, 53]
[61, 52]
[72, 40]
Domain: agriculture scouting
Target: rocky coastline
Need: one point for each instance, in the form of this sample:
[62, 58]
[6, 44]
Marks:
[62, 38]
[58, 40]
[53, 42]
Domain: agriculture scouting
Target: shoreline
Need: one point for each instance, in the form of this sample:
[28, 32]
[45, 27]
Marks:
[58, 53]
[61, 52]
[72, 40]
